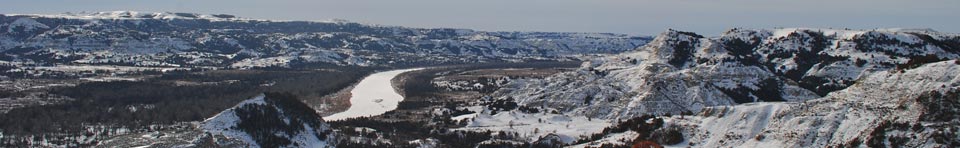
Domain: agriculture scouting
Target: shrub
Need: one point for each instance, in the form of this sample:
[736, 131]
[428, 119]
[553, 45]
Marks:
[669, 135]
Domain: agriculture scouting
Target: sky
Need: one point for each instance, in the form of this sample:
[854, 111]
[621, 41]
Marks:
[636, 17]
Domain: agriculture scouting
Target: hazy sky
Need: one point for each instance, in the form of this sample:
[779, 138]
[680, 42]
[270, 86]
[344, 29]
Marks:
[639, 17]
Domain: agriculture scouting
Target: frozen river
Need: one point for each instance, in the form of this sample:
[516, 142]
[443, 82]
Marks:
[374, 95]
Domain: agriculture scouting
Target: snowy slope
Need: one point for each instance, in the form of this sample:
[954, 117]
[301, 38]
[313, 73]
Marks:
[913, 108]
[24, 24]
[681, 72]
[270, 122]
[223, 123]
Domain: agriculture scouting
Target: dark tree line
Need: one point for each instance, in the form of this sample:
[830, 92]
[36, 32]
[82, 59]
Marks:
[160, 101]
[653, 132]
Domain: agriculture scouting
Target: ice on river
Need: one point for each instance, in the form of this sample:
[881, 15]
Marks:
[374, 95]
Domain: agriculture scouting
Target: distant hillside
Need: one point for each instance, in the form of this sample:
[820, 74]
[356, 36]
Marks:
[224, 41]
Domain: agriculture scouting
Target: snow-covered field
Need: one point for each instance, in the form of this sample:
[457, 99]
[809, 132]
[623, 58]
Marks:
[374, 95]
[533, 126]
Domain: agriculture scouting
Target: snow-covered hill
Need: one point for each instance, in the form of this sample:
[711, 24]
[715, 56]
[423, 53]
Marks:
[272, 120]
[911, 108]
[199, 40]
[134, 15]
[683, 72]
